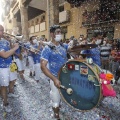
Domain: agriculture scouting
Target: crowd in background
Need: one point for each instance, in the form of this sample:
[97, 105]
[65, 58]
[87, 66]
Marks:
[109, 50]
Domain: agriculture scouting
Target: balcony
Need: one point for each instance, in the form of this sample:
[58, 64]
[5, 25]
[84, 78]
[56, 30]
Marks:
[64, 16]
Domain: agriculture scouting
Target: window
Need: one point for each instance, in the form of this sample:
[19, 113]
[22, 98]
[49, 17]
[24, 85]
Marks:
[42, 18]
[64, 32]
[43, 36]
[61, 8]
[32, 23]
[37, 21]
[72, 6]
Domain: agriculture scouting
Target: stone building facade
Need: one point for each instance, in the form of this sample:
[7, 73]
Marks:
[33, 17]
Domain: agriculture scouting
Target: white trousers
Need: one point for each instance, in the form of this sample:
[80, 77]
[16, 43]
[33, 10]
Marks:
[54, 94]
[19, 64]
[31, 63]
[6, 76]
[37, 71]
[24, 63]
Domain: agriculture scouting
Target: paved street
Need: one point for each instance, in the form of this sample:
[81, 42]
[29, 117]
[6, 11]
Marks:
[34, 103]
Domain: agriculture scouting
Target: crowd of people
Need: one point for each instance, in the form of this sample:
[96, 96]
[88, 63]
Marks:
[106, 55]
[49, 57]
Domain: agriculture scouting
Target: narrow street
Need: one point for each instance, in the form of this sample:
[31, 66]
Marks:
[34, 103]
[40, 32]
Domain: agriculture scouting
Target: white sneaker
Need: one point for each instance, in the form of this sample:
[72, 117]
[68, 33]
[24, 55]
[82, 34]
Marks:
[7, 108]
[13, 95]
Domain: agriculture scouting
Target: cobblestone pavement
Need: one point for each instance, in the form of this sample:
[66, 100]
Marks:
[34, 103]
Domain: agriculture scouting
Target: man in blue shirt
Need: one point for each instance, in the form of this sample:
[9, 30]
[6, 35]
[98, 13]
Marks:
[95, 52]
[6, 78]
[30, 58]
[36, 58]
[54, 56]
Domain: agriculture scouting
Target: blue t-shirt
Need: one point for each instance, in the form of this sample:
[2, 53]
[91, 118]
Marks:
[95, 56]
[65, 45]
[17, 52]
[28, 46]
[56, 58]
[5, 62]
[36, 57]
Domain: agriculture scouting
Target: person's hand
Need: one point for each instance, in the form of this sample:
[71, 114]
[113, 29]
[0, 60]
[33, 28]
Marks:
[57, 83]
[80, 57]
[36, 51]
[32, 49]
[16, 46]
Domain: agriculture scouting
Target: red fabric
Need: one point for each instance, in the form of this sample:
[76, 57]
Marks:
[71, 66]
